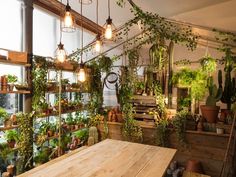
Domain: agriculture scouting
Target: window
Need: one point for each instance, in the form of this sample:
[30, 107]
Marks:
[10, 31]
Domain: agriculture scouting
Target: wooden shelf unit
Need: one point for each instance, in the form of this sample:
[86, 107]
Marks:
[142, 106]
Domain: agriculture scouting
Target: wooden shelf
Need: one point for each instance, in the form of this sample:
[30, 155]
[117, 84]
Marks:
[56, 136]
[56, 114]
[15, 92]
[68, 90]
[10, 62]
[207, 133]
[8, 128]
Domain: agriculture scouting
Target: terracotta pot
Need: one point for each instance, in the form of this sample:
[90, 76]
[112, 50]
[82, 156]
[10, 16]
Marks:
[10, 87]
[4, 83]
[50, 133]
[6, 174]
[210, 113]
[194, 166]
[119, 117]
[11, 144]
[223, 114]
[10, 169]
[13, 119]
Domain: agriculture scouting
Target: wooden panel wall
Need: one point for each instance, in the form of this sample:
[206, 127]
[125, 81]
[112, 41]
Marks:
[208, 149]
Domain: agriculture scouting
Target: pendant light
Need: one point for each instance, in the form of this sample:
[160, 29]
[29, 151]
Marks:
[85, 1]
[68, 21]
[81, 73]
[98, 43]
[109, 26]
[60, 52]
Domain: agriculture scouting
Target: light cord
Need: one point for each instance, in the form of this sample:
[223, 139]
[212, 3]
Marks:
[82, 30]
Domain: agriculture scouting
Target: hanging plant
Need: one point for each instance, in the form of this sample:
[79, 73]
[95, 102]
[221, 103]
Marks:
[105, 63]
[208, 64]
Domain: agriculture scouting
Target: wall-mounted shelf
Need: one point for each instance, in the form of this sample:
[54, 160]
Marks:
[15, 92]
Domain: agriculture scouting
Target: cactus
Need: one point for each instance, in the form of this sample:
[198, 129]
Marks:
[229, 93]
[93, 136]
[214, 93]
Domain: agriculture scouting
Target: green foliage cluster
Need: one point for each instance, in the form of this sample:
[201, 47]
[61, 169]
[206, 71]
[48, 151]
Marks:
[195, 80]
[96, 92]
[105, 63]
[11, 78]
[162, 133]
[159, 26]
[39, 74]
[130, 128]
[179, 123]
[25, 140]
[82, 134]
[3, 115]
[11, 135]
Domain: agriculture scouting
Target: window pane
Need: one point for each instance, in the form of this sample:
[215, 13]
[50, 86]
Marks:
[10, 30]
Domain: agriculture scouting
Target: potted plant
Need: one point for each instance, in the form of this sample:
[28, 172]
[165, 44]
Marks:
[229, 90]
[22, 86]
[139, 87]
[41, 158]
[11, 137]
[4, 118]
[64, 83]
[12, 79]
[210, 110]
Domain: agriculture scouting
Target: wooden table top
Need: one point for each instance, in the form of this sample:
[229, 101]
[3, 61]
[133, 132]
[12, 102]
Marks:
[109, 158]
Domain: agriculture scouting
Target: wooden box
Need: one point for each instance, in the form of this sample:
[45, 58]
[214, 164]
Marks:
[18, 57]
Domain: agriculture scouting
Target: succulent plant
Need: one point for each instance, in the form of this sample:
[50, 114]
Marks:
[214, 93]
[93, 136]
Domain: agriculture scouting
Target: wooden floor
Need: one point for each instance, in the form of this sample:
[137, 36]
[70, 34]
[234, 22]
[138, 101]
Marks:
[109, 158]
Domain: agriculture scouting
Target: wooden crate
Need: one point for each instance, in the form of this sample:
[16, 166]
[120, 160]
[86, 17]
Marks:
[17, 57]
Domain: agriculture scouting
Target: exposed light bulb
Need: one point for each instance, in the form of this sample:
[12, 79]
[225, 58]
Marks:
[98, 46]
[108, 31]
[61, 53]
[81, 75]
[68, 20]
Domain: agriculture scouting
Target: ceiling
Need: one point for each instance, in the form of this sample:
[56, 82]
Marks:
[219, 14]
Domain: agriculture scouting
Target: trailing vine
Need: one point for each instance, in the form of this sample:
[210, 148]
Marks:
[179, 123]
[39, 73]
[25, 142]
[159, 26]
[130, 128]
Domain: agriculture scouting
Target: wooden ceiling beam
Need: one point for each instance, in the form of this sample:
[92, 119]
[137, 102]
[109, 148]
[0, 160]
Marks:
[56, 7]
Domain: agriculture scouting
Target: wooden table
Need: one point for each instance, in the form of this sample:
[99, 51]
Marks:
[109, 158]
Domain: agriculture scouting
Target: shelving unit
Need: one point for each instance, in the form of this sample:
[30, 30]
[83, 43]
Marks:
[142, 106]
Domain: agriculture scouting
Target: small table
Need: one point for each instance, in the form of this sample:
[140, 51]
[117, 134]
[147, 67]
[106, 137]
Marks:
[109, 158]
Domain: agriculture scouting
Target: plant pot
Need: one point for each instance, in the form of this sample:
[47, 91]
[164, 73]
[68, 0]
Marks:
[11, 143]
[10, 87]
[4, 83]
[224, 113]
[13, 119]
[220, 131]
[10, 169]
[50, 133]
[119, 117]
[210, 113]
[7, 123]
[194, 166]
